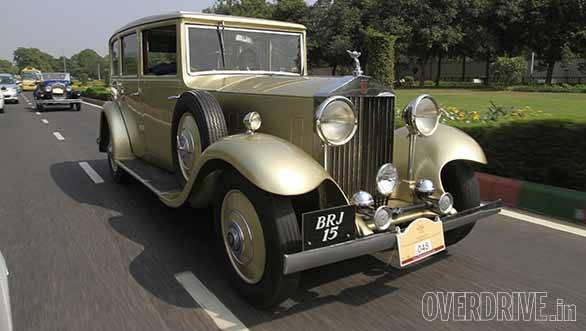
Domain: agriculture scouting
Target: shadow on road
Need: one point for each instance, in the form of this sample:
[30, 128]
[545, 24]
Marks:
[177, 240]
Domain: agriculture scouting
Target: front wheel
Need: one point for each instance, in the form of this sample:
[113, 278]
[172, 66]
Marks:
[459, 180]
[257, 229]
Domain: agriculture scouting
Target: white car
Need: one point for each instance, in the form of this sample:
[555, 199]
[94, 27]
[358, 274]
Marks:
[5, 311]
[9, 88]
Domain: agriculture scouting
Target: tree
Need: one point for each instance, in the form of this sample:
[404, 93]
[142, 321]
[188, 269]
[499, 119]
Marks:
[87, 62]
[247, 8]
[334, 27]
[555, 28]
[8, 67]
[291, 11]
[33, 57]
[424, 29]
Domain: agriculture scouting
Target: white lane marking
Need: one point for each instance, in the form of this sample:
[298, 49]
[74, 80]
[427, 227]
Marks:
[548, 224]
[221, 315]
[44, 120]
[58, 136]
[91, 172]
[91, 104]
[38, 113]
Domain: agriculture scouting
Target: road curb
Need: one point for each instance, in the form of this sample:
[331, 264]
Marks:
[539, 198]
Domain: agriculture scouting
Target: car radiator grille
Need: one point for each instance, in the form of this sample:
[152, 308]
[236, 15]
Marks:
[355, 164]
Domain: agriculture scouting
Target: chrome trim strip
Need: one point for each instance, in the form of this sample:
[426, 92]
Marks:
[139, 178]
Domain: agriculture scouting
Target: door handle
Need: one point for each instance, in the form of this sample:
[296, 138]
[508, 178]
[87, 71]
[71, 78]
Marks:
[173, 97]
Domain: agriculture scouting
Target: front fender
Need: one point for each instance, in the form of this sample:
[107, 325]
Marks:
[112, 122]
[432, 154]
[271, 163]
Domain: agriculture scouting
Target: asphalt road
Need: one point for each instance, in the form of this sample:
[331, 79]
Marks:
[100, 256]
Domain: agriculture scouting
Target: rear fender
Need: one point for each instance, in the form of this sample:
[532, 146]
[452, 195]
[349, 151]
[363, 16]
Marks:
[112, 122]
[432, 154]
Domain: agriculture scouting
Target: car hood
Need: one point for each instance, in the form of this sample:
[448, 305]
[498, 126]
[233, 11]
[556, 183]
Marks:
[305, 86]
[8, 86]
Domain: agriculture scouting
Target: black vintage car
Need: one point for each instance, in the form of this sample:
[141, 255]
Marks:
[56, 90]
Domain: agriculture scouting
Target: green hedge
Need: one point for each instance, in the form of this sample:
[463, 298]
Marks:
[380, 49]
[561, 88]
[100, 93]
[551, 152]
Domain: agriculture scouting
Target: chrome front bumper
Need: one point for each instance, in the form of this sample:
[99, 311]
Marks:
[57, 101]
[376, 242]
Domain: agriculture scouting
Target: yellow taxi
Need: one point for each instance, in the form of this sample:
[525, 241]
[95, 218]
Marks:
[30, 78]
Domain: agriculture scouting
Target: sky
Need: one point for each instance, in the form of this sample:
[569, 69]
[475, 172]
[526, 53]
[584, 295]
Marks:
[65, 27]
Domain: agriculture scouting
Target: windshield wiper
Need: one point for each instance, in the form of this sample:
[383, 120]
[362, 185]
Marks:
[221, 36]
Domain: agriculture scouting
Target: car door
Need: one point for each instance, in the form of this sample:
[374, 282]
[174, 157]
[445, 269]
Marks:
[129, 93]
[159, 81]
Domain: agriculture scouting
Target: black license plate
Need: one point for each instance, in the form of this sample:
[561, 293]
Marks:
[328, 227]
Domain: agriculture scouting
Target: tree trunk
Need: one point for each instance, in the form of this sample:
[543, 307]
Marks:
[463, 68]
[334, 67]
[439, 70]
[421, 72]
[550, 67]
[487, 73]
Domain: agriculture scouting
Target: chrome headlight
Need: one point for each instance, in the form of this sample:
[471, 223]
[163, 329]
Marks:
[387, 179]
[422, 115]
[335, 121]
[48, 88]
[68, 88]
[252, 121]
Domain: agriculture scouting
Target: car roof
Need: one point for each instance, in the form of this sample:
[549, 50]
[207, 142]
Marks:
[212, 18]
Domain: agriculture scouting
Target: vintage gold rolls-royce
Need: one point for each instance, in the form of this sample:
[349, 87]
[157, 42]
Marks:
[300, 171]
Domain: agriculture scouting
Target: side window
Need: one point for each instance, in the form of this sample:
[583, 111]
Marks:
[204, 50]
[160, 51]
[129, 55]
[115, 54]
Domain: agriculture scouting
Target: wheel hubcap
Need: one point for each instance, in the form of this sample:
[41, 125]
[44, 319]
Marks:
[243, 236]
[188, 144]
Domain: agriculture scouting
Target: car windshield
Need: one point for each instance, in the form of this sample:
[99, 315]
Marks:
[56, 76]
[6, 80]
[31, 75]
[244, 50]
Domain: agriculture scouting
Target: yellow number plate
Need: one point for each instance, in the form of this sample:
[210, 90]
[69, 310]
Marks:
[421, 239]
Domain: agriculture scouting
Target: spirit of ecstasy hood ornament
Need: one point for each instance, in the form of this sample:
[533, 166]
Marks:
[357, 69]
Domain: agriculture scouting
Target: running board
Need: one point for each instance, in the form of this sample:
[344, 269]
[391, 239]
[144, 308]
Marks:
[161, 182]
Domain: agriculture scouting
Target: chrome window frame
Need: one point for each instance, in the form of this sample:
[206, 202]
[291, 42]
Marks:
[242, 72]
[138, 37]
